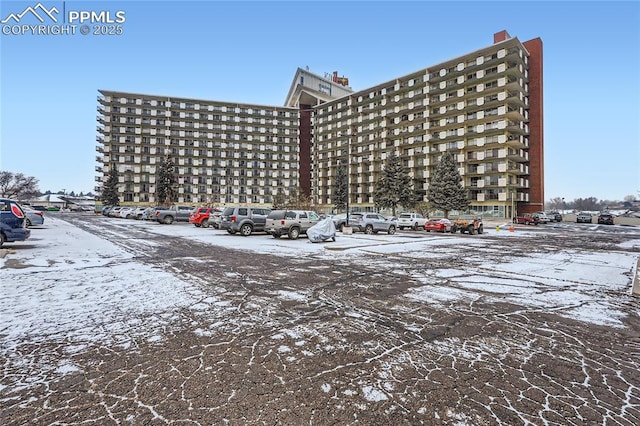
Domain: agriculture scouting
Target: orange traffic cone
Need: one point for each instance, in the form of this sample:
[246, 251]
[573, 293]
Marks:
[511, 228]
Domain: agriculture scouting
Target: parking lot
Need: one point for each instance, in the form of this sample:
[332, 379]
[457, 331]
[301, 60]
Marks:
[115, 321]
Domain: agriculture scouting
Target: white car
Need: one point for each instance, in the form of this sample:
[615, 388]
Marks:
[414, 221]
[542, 217]
[126, 212]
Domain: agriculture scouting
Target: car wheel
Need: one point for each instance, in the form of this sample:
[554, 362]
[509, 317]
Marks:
[28, 223]
[294, 233]
[197, 225]
[402, 228]
[454, 229]
[2, 239]
[428, 230]
[391, 230]
[276, 235]
[368, 229]
[245, 230]
[205, 223]
[471, 230]
[231, 231]
[480, 229]
[415, 227]
[168, 220]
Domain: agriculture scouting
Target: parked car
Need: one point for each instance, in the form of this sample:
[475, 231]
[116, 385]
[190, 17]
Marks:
[215, 217]
[605, 219]
[339, 220]
[138, 211]
[438, 225]
[542, 217]
[126, 212]
[414, 221]
[290, 222]
[168, 215]
[201, 216]
[555, 216]
[33, 217]
[470, 224]
[150, 212]
[372, 223]
[12, 222]
[245, 220]
[40, 208]
[115, 211]
[584, 217]
[526, 219]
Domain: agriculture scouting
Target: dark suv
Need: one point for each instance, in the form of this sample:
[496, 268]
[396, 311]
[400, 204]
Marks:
[12, 222]
[605, 219]
[555, 216]
[244, 220]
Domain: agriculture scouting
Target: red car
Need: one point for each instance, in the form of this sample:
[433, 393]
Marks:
[200, 217]
[438, 225]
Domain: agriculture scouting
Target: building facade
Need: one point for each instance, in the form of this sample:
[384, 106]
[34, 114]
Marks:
[485, 107]
[223, 152]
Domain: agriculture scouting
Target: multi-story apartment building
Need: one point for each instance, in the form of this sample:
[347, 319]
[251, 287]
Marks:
[485, 107]
[223, 152]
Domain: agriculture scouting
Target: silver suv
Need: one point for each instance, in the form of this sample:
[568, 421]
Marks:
[290, 222]
[244, 220]
[372, 223]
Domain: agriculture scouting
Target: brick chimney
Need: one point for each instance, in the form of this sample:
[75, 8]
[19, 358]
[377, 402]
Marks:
[501, 36]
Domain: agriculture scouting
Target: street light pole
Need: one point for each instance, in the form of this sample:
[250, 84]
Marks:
[348, 135]
[348, 172]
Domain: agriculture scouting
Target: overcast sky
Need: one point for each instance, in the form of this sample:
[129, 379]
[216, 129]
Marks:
[249, 51]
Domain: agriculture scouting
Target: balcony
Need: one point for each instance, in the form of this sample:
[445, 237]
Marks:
[99, 149]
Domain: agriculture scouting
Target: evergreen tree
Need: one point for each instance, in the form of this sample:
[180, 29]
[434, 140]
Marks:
[445, 190]
[394, 188]
[109, 194]
[339, 195]
[165, 182]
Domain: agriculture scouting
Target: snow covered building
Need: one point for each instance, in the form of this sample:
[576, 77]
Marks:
[486, 107]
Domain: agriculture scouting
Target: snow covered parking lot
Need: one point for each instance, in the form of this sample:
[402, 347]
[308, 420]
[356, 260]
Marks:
[116, 321]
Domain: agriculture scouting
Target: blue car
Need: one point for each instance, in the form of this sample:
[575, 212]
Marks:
[12, 222]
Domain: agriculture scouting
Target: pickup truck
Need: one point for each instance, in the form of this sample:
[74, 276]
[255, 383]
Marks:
[526, 219]
[173, 214]
[414, 221]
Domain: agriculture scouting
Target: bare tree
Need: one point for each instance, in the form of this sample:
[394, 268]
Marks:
[18, 186]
